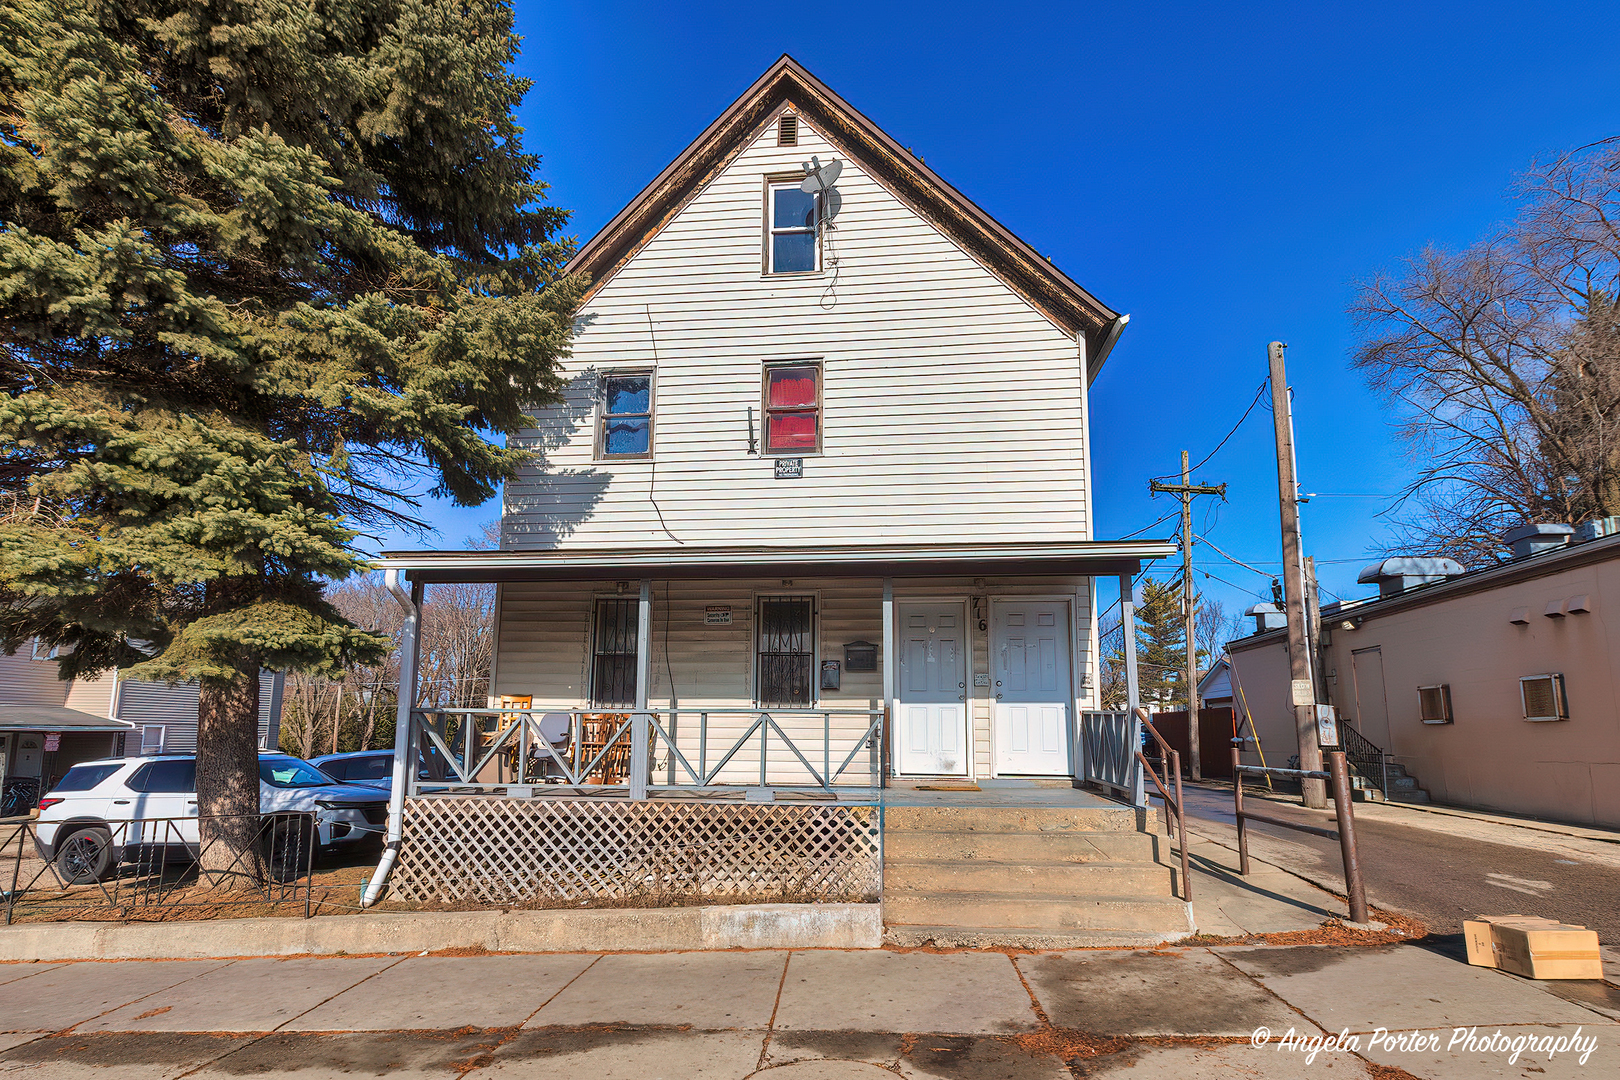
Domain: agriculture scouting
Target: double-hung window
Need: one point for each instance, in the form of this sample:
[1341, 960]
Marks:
[613, 654]
[625, 429]
[793, 408]
[790, 219]
[786, 660]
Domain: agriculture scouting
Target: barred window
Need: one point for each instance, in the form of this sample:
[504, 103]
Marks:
[613, 659]
[786, 651]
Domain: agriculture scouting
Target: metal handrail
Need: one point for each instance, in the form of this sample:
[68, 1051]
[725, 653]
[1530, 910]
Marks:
[1338, 776]
[1176, 806]
[1362, 753]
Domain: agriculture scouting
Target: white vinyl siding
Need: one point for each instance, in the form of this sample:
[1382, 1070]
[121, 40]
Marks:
[544, 650]
[952, 409]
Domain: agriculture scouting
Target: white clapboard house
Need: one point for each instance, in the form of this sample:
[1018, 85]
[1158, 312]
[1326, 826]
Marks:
[816, 514]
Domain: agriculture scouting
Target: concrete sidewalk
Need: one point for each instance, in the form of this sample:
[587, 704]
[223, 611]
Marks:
[813, 1015]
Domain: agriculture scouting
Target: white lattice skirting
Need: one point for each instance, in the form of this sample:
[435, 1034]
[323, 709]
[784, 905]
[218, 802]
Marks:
[515, 851]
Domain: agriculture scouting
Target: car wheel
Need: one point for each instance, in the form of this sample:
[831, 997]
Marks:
[85, 856]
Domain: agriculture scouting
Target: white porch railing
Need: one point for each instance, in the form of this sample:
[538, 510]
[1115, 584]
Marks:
[633, 751]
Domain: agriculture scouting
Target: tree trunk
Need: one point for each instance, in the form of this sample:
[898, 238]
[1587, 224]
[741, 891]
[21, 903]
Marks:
[228, 782]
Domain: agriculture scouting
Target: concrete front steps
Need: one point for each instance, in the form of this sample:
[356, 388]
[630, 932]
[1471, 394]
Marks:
[1027, 877]
[1402, 787]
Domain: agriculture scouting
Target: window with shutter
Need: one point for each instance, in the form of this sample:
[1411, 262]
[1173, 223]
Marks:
[1544, 697]
[1434, 704]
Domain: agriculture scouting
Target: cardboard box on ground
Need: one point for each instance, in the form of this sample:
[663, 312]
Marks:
[1534, 947]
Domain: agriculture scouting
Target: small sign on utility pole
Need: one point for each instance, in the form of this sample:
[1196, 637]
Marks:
[1327, 727]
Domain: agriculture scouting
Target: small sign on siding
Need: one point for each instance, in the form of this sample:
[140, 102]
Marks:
[717, 615]
[789, 468]
[53, 741]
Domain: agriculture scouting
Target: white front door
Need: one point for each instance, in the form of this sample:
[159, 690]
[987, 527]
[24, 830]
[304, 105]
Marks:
[29, 757]
[1031, 666]
[932, 704]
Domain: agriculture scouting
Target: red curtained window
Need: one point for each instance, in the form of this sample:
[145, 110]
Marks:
[793, 407]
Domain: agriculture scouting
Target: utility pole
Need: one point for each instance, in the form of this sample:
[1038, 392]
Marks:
[1186, 490]
[1303, 690]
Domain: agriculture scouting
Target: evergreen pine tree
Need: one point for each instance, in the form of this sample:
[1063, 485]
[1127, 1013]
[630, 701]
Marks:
[1161, 644]
[264, 264]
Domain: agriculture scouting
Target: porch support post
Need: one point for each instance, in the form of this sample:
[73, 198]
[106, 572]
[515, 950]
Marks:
[640, 759]
[1133, 697]
[888, 677]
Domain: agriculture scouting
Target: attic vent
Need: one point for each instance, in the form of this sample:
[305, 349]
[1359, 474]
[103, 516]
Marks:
[1544, 697]
[1434, 704]
[787, 131]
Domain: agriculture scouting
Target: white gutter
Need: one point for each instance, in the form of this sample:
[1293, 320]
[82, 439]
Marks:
[403, 743]
[742, 557]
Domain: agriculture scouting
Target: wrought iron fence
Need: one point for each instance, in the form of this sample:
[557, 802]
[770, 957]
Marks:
[482, 750]
[150, 867]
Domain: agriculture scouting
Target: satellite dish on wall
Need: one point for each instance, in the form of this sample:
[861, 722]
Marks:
[819, 177]
[819, 180]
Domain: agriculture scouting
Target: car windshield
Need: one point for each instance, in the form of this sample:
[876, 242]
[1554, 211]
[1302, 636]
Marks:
[291, 773]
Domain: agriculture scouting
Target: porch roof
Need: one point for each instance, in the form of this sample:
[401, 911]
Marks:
[1000, 559]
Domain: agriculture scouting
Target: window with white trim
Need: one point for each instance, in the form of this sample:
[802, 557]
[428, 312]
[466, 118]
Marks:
[790, 219]
[625, 429]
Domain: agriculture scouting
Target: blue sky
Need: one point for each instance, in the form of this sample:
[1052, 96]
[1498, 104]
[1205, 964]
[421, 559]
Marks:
[1223, 173]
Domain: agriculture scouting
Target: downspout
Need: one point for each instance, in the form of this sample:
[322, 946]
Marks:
[403, 734]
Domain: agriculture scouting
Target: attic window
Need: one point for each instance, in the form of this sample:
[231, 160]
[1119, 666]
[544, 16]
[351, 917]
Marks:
[790, 219]
[787, 131]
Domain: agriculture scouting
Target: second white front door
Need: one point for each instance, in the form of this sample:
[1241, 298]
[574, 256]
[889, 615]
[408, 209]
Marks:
[932, 706]
[1031, 669]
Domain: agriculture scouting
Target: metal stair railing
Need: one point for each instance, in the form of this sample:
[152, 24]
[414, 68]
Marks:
[1173, 806]
[1363, 757]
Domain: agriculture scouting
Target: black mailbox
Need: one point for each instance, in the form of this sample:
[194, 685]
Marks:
[860, 656]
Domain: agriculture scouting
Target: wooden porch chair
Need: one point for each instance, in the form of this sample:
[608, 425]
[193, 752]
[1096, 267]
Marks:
[595, 731]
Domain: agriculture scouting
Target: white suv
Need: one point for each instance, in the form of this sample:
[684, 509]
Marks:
[105, 812]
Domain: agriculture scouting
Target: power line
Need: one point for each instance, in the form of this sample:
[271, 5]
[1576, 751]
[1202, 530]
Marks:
[1229, 434]
[1234, 559]
[1145, 528]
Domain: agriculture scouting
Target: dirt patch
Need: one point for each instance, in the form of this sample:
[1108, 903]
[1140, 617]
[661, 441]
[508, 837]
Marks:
[1400, 929]
[1388, 1072]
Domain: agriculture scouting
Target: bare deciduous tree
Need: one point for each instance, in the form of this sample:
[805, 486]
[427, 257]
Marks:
[356, 712]
[1503, 364]
[1213, 627]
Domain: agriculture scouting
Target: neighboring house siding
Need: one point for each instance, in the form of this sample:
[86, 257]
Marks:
[175, 708]
[1490, 757]
[544, 649]
[25, 681]
[952, 408]
[93, 695]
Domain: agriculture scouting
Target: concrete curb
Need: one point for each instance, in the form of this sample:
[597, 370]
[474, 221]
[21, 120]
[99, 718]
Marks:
[753, 926]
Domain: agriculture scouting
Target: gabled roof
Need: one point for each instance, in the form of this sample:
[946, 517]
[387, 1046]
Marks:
[788, 84]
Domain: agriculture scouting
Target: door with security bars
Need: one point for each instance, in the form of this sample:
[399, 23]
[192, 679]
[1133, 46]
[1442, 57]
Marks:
[1032, 672]
[931, 735]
